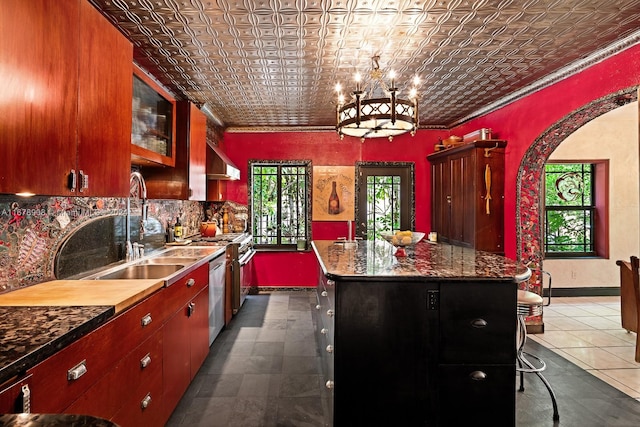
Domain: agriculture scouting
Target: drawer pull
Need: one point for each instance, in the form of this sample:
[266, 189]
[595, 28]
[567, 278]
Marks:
[478, 376]
[146, 320]
[330, 313]
[324, 293]
[331, 282]
[329, 384]
[479, 323]
[145, 361]
[324, 331]
[146, 401]
[329, 348]
[191, 282]
[77, 371]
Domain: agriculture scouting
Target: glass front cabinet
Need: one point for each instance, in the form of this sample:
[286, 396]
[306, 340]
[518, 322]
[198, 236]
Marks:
[153, 124]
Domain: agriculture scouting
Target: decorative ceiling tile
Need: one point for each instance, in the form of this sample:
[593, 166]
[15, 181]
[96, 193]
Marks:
[275, 63]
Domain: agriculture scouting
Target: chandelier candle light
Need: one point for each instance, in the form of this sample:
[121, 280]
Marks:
[369, 117]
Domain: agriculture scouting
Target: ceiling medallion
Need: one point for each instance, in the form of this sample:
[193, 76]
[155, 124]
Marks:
[369, 116]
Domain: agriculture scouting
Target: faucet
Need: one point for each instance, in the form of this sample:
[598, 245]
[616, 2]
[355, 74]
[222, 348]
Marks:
[141, 189]
[142, 194]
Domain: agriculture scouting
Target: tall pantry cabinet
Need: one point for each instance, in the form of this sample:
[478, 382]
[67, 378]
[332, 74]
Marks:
[66, 84]
[467, 195]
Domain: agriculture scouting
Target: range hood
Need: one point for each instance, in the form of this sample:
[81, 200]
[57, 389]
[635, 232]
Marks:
[220, 167]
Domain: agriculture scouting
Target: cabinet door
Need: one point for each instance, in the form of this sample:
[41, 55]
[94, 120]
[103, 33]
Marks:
[39, 85]
[176, 359]
[104, 106]
[441, 199]
[12, 399]
[197, 155]
[462, 201]
[199, 330]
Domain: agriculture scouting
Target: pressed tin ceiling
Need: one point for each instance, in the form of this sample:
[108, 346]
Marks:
[273, 64]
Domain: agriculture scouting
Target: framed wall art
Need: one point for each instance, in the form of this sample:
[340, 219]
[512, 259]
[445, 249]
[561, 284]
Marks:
[333, 193]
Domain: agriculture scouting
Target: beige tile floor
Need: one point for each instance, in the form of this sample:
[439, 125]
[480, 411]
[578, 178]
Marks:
[587, 332]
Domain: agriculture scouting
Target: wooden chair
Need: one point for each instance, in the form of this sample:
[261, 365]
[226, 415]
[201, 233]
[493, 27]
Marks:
[630, 298]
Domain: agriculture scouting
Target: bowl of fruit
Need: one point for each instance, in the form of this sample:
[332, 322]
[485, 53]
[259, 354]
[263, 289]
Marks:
[403, 238]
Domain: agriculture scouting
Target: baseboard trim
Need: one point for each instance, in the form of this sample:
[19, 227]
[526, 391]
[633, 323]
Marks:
[596, 291]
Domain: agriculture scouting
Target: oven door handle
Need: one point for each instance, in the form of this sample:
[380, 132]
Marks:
[246, 258]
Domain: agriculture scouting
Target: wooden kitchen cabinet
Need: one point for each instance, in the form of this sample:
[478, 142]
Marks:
[66, 120]
[96, 354]
[153, 123]
[467, 195]
[187, 180]
[416, 349]
[477, 352]
[186, 335]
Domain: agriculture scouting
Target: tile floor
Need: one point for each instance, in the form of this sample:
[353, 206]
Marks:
[264, 368]
[587, 332]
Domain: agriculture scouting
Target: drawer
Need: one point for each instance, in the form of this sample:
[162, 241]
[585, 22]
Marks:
[144, 407]
[486, 393]
[64, 377]
[477, 323]
[185, 289]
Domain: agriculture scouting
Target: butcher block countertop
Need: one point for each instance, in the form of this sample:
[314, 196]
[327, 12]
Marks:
[38, 321]
[120, 294]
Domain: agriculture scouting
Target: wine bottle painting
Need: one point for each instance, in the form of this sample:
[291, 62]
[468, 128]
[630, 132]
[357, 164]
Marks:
[333, 193]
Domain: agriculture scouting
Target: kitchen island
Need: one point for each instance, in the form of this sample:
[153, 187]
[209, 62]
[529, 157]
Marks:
[424, 339]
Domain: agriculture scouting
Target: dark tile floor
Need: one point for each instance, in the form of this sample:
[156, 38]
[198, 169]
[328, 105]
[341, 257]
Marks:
[264, 370]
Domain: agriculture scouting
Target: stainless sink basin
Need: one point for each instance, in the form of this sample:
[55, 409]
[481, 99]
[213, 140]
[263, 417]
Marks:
[168, 260]
[143, 271]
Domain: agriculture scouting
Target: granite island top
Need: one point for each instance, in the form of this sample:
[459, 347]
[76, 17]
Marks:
[423, 261]
[28, 335]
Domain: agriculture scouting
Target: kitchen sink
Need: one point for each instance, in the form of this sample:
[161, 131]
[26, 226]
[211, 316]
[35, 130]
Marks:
[161, 260]
[143, 271]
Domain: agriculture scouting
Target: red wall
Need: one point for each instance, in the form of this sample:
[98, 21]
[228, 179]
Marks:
[520, 123]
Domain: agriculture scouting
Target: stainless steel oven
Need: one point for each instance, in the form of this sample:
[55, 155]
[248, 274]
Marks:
[242, 270]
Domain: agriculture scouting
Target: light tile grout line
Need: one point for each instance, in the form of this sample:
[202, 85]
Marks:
[572, 324]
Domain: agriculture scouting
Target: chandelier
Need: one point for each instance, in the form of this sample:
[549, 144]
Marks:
[368, 116]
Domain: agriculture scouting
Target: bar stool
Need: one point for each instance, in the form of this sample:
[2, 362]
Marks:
[530, 304]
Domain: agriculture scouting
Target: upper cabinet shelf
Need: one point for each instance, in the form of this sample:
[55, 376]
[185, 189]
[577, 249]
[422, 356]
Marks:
[153, 123]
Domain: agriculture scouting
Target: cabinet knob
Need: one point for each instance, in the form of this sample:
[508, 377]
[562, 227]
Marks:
[449, 199]
[146, 320]
[479, 323]
[145, 361]
[478, 376]
[329, 385]
[191, 282]
[318, 306]
[324, 331]
[324, 293]
[329, 348]
[146, 401]
[77, 371]
[330, 313]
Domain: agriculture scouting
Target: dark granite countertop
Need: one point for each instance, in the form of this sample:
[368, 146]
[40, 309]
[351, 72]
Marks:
[53, 420]
[423, 261]
[29, 335]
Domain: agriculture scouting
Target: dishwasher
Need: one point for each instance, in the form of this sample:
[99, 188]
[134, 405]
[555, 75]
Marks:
[216, 296]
